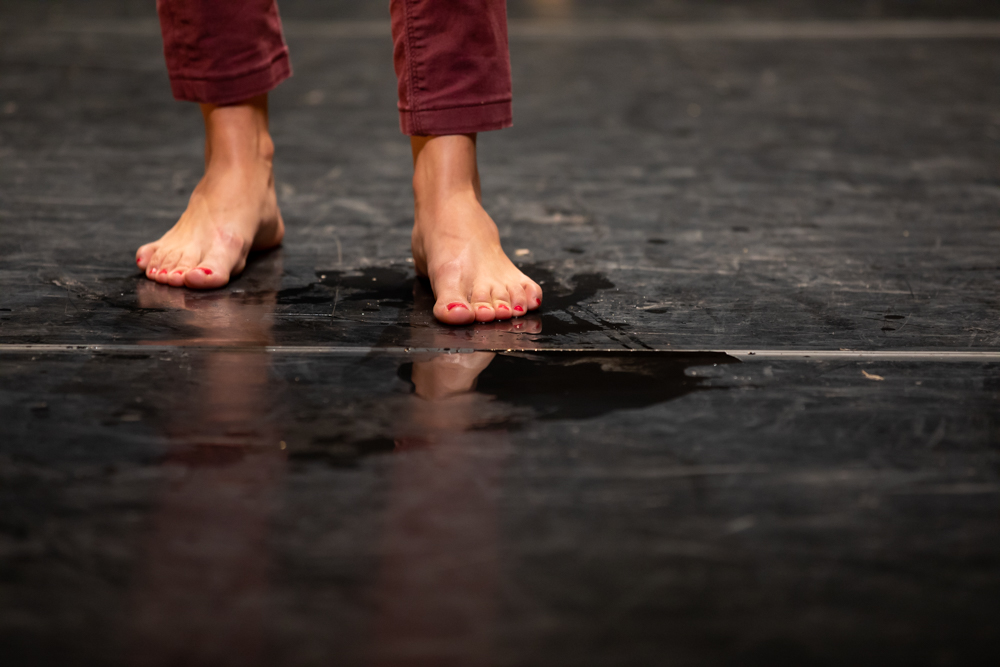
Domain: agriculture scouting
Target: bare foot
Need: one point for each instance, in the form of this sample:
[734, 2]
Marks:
[455, 242]
[232, 211]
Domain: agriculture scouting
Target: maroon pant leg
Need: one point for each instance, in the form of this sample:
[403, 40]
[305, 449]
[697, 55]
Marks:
[453, 65]
[223, 51]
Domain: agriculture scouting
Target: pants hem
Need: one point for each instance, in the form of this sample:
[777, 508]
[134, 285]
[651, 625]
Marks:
[234, 89]
[457, 120]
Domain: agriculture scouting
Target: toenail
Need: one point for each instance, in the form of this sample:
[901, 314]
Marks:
[538, 302]
[138, 260]
[518, 309]
[452, 306]
[484, 307]
[178, 271]
[207, 272]
[163, 270]
[501, 307]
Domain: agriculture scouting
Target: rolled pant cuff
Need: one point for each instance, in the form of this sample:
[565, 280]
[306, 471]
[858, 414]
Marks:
[457, 120]
[234, 89]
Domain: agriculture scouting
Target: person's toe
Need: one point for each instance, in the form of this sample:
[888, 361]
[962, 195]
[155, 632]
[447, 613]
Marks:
[452, 307]
[226, 257]
[453, 310]
[451, 296]
[501, 303]
[153, 265]
[189, 259]
[176, 278]
[205, 277]
[484, 312]
[518, 300]
[533, 294]
[211, 272]
[482, 303]
[144, 254]
[160, 263]
[167, 265]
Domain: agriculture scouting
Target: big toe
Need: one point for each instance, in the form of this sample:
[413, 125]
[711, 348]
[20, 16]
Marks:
[143, 254]
[225, 258]
[204, 277]
[453, 309]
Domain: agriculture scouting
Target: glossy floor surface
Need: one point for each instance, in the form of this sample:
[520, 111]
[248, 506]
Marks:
[755, 422]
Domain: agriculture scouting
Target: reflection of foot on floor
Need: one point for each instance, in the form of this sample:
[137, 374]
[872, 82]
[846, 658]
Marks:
[456, 243]
[448, 375]
[446, 384]
[223, 317]
[232, 211]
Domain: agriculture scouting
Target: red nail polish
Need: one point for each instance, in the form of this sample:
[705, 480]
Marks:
[179, 271]
[452, 306]
[538, 302]
[163, 270]
[501, 307]
[518, 309]
[207, 272]
[484, 307]
[138, 259]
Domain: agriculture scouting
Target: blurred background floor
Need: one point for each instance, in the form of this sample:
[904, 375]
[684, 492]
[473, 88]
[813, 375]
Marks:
[302, 468]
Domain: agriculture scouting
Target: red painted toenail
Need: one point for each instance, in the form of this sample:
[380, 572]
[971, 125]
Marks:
[178, 271]
[484, 307]
[207, 272]
[452, 306]
[538, 302]
[501, 307]
[518, 309]
[163, 270]
[138, 259]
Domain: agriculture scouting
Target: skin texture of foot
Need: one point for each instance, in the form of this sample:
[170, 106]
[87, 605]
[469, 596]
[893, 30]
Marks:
[455, 242]
[232, 211]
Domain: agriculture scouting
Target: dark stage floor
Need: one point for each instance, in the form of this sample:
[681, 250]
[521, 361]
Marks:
[756, 422]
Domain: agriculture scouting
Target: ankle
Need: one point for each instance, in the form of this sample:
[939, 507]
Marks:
[238, 134]
[430, 194]
[264, 147]
[444, 169]
[249, 149]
